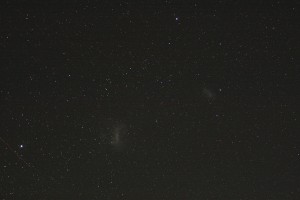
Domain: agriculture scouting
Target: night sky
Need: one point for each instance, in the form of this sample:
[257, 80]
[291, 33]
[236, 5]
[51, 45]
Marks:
[155, 100]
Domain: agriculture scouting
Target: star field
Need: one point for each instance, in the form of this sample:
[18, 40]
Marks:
[149, 100]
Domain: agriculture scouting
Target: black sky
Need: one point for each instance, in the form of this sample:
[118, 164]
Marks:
[161, 100]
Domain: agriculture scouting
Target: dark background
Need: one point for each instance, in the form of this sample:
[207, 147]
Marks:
[204, 96]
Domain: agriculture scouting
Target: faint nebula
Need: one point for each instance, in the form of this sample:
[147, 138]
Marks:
[208, 94]
[117, 137]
